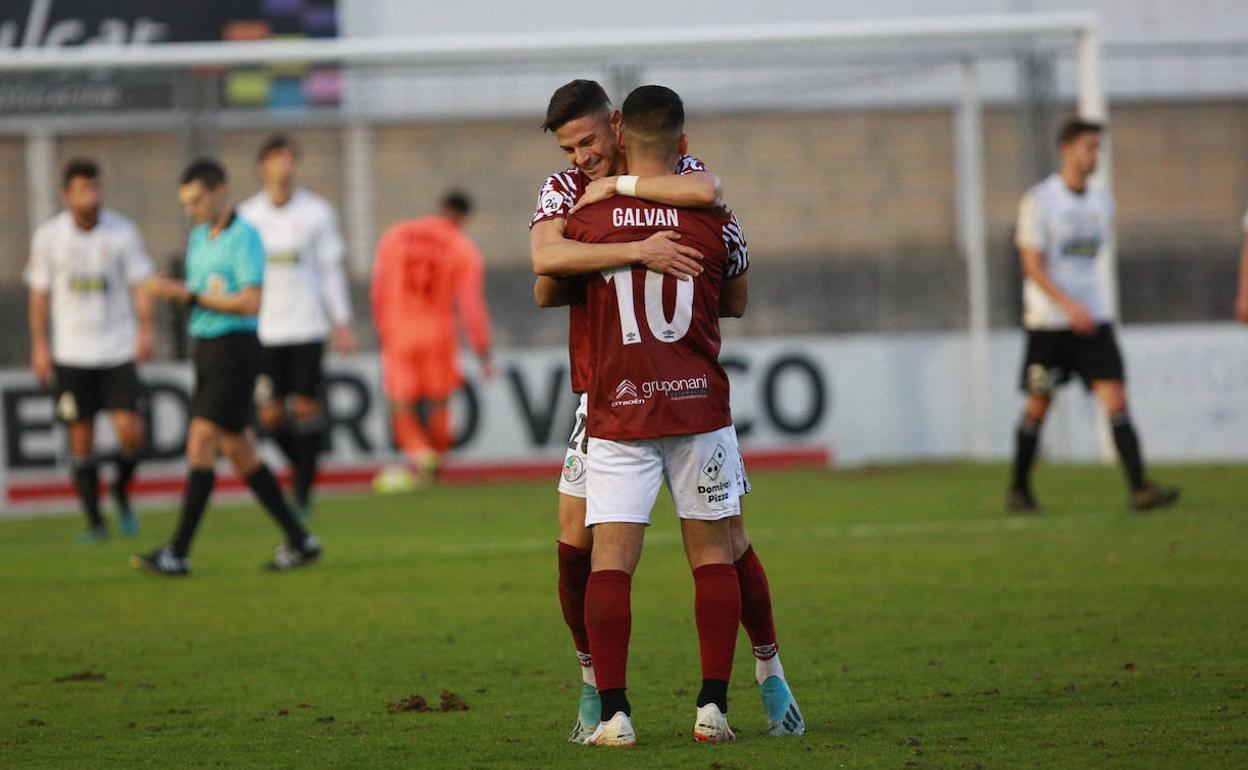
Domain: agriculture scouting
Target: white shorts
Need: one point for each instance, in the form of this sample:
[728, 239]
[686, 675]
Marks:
[572, 480]
[703, 474]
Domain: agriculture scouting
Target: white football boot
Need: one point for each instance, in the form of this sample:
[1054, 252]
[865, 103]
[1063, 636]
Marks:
[616, 732]
[711, 725]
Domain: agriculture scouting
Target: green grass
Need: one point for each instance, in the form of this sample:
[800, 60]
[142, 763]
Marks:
[920, 627]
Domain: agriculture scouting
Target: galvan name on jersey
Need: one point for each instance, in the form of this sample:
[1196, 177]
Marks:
[621, 217]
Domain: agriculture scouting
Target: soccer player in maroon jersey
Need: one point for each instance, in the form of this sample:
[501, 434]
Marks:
[586, 128]
[659, 410]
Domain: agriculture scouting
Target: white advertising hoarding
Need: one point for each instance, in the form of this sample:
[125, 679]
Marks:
[849, 399]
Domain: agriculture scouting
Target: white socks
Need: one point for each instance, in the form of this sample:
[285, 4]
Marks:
[768, 668]
[587, 675]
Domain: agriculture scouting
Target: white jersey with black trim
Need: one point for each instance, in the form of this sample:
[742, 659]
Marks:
[305, 281]
[1070, 229]
[89, 275]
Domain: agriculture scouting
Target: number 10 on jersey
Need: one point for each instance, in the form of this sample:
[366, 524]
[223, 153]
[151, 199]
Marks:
[661, 328]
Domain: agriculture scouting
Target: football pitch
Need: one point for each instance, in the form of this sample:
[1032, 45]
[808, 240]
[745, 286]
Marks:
[919, 627]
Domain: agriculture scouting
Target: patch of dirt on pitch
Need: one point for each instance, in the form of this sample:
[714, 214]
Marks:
[452, 702]
[410, 703]
[80, 676]
[448, 701]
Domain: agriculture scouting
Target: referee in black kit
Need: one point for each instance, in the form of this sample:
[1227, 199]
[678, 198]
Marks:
[224, 270]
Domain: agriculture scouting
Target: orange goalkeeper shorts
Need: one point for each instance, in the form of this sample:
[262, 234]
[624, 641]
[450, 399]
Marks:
[419, 375]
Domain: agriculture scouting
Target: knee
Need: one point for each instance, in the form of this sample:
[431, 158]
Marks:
[201, 450]
[238, 451]
[132, 435]
[270, 414]
[81, 440]
[1038, 407]
[306, 408]
[740, 539]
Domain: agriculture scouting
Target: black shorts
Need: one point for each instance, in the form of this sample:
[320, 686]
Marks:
[287, 369]
[1053, 356]
[81, 392]
[225, 379]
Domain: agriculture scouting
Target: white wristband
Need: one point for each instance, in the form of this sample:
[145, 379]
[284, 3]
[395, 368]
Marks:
[626, 185]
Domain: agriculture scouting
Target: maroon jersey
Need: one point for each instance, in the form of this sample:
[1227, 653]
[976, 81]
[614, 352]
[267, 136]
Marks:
[558, 195]
[653, 339]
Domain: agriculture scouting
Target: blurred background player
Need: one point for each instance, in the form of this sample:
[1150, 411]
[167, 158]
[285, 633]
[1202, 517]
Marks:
[1241, 296]
[306, 296]
[659, 411]
[89, 265]
[1062, 227]
[224, 274]
[587, 130]
[425, 273]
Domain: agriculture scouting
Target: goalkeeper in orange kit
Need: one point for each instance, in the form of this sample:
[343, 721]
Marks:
[426, 272]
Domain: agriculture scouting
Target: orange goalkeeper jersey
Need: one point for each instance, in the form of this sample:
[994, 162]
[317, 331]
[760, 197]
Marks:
[426, 270]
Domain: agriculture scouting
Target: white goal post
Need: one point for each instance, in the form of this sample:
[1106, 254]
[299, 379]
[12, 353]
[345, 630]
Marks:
[957, 38]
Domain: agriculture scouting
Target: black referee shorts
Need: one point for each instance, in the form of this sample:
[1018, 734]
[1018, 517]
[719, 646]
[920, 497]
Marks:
[287, 369]
[225, 379]
[82, 392]
[1053, 356]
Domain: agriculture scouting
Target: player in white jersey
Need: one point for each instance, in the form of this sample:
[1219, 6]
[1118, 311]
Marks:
[1063, 225]
[306, 298]
[1241, 296]
[88, 263]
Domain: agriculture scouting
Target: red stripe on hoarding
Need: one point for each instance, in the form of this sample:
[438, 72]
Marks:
[345, 478]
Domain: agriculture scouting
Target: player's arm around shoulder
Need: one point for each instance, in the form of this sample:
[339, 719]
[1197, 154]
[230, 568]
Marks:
[690, 190]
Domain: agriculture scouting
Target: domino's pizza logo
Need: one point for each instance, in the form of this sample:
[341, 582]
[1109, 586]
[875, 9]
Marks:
[715, 464]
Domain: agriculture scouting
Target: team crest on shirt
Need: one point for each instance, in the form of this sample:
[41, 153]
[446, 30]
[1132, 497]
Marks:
[573, 469]
[626, 394]
[67, 407]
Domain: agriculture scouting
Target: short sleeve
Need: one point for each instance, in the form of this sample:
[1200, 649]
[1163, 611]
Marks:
[137, 262]
[555, 199]
[249, 262]
[1030, 234]
[689, 165]
[738, 260]
[39, 270]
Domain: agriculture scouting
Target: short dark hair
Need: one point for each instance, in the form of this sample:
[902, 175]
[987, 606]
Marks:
[276, 142]
[79, 167]
[204, 170]
[459, 201]
[654, 116]
[1076, 127]
[574, 100]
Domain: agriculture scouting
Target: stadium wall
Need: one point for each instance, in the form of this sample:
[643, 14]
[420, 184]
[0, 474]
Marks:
[869, 224]
[845, 399]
